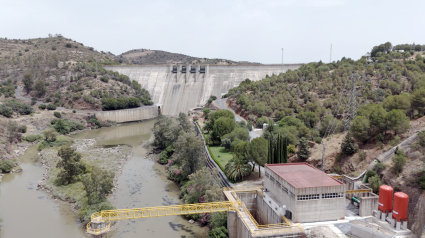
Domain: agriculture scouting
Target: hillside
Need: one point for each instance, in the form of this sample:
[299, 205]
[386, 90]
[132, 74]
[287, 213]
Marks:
[313, 102]
[64, 72]
[145, 56]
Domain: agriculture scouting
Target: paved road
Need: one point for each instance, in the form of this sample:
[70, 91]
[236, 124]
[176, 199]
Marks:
[220, 104]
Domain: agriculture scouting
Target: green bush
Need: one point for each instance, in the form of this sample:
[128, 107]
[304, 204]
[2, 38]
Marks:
[54, 48]
[74, 111]
[41, 106]
[6, 165]
[163, 157]
[23, 129]
[33, 137]
[104, 79]
[291, 149]
[68, 45]
[421, 136]
[57, 114]
[399, 160]
[51, 107]
[421, 182]
[318, 140]
[6, 111]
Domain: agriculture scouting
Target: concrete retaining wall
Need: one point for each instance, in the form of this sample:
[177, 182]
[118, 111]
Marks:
[178, 92]
[128, 115]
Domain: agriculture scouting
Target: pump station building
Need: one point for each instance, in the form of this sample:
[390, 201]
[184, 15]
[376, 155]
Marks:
[303, 193]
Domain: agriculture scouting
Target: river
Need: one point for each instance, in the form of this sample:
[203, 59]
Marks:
[27, 212]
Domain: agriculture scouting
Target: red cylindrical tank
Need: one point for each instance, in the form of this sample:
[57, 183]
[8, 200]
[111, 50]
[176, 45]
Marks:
[385, 198]
[401, 202]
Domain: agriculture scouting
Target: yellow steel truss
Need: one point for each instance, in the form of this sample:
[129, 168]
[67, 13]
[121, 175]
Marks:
[234, 205]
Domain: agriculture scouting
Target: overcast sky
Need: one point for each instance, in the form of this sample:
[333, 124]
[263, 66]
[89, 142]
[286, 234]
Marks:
[241, 30]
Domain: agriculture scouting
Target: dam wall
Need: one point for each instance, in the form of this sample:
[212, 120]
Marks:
[129, 115]
[181, 87]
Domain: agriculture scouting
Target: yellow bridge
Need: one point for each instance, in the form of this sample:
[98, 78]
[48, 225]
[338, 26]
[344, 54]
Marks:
[100, 221]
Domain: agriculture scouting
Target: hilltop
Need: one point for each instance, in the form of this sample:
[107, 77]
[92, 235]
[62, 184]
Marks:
[145, 56]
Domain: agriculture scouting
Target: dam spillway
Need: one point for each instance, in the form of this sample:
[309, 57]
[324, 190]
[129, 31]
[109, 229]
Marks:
[178, 88]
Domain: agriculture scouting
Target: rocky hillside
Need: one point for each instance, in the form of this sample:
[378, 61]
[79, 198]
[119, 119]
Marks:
[145, 56]
[64, 72]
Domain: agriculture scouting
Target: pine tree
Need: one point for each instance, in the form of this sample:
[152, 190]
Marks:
[304, 149]
[348, 146]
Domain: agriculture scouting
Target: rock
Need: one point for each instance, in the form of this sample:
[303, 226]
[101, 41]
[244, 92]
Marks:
[191, 221]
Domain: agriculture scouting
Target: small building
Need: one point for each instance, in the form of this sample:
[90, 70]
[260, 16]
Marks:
[303, 193]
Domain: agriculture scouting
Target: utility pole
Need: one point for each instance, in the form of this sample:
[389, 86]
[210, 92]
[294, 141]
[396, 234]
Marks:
[96, 65]
[282, 60]
[330, 58]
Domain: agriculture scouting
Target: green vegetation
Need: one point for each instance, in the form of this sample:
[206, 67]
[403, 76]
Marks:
[65, 126]
[13, 105]
[6, 165]
[70, 165]
[221, 155]
[57, 114]
[119, 103]
[348, 146]
[33, 137]
[399, 160]
[7, 88]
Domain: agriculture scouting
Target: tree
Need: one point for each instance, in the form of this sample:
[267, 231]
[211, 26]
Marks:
[348, 146]
[375, 183]
[188, 152]
[418, 100]
[304, 149]
[223, 126]
[28, 82]
[218, 232]
[12, 130]
[360, 128]
[206, 112]
[237, 168]
[378, 119]
[165, 132]
[421, 136]
[309, 118]
[40, 87]
[61, 127]
[69, 164]
[397, 102]
[258, 151]
[203, 186]
[50, 135]
[184, 123]
[98, 184]
[397, 121]
[399, 160]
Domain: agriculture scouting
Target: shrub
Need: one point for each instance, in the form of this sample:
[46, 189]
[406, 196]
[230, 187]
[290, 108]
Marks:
[348, 146]
[6, 165]
[399, 160]
[362, 155]
[6, 111]
[51, 107]
[57, 114]
[33, 137]
[23, 129]
[318, 140]
[68, 45]
[104, 79]
[54, 48]
[375, 183]
[163, 157]
[291, 149]
[421, 136]
[41, 106]
[421, 182]
[396, 141]
[74, 111]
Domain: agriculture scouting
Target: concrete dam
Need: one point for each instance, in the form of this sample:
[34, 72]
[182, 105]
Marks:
[177, 88]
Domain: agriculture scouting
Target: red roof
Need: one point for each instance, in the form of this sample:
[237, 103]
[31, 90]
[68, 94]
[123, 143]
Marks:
[303, 175]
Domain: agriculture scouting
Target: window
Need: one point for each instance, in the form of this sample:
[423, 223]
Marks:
[292, 195]
[278, 183]
[267, 175]
[308, 197]
[272, 179]
[332, 195]
[284, 189]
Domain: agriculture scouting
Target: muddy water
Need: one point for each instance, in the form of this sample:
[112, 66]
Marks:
[27, 212]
